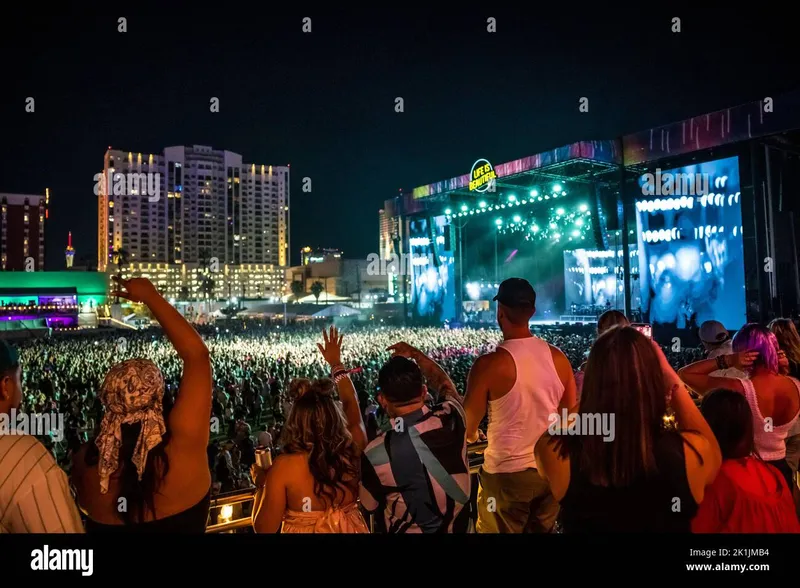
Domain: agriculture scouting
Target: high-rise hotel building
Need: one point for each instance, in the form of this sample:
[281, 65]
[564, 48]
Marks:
[22, 223]
[193, 205]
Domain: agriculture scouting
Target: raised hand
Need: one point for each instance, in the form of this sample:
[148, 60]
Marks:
[332, 350]
[744, 359]
[135, 290]
[403, 349]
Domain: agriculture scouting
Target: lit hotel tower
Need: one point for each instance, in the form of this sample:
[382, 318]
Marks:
[69, 252]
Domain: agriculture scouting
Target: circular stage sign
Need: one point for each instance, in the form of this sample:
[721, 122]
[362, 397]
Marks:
[482, 176]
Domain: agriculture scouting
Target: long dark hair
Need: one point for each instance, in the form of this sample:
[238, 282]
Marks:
[139, 495]
[623, 378]
[731, 420]
[316, 425]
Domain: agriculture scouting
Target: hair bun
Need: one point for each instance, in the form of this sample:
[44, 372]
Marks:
[323, 387]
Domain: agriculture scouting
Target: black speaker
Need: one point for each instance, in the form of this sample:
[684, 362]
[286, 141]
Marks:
[434, 245]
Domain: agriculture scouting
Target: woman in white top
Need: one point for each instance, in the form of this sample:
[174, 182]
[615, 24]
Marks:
[774, 399]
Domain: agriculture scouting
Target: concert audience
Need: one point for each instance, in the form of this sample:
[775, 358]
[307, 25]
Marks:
[521, 384]
[774, 399]
[140, 473]
[312, 487]
[636, 475]
[748, 495]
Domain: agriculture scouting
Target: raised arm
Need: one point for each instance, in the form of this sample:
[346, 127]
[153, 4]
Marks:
[189, 418]
[332, 352]
[693, 427]
[435, 376]
[698, 376]
[567, 377]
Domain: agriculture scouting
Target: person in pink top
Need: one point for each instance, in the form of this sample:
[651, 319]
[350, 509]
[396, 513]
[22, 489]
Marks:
[774, 399]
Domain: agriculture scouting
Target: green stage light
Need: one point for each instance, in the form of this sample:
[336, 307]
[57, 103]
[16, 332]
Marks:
[583, 208]
[524, 201]
[498, 222]
[547, 197]
[579, 222]
[472, 212]
[553, 226]
[576, 233]
[464, 208]
[517, 218]
[563, 193]
[557, 236]
[502, 206]
[534, 193]
[557, 188]
[535, 229]
[539, 198]
[560, 211]
[512, 198]
[482, 204]
[448, 212]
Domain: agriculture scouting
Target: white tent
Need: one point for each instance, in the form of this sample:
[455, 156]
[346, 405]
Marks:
[336, 310]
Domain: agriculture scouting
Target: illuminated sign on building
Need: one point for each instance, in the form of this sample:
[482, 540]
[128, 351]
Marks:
[482, 177]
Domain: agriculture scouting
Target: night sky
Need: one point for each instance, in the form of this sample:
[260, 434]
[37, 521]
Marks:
[324, 102]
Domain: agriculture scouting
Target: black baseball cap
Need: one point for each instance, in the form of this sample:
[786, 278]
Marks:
[516, 293]
[9, 357]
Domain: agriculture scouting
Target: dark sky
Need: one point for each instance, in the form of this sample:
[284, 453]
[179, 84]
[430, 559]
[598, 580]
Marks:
[324, 101]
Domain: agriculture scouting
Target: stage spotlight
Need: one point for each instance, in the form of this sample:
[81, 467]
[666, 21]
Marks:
[557, 188]
[512, 198]
[498, 222]
[448, 211]
[560, 211]
[557, 236]
[547, 197]
[472, 212]
[579, 222]
[464, 208]
[535, 229]
[482, 204]
[583, 208]
[524, 201]
[539, 198]
[553, 225]
[576, 233]
[517, 218]
[502, 206]
[534, 193]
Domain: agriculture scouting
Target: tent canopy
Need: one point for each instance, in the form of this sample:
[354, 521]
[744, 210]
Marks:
[336, 310]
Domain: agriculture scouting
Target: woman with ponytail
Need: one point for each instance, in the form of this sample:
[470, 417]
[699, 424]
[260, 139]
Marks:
[313, 485]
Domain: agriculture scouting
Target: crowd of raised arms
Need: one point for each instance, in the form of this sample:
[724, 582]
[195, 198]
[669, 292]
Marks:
[584, 432]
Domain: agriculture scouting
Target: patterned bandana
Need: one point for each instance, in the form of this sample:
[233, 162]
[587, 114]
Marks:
[131, 393]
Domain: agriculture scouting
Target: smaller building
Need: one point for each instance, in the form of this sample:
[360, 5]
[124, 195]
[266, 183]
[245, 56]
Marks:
[22, 228]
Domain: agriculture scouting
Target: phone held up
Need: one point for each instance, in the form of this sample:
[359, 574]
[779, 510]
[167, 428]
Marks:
[644, 328]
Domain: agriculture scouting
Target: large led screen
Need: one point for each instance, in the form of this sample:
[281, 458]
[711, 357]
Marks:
[691, 258]
[432, 269]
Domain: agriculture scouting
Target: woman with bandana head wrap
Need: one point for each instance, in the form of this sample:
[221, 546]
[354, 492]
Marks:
[146, 470]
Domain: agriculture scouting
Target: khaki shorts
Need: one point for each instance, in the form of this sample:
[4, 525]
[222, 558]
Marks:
[518, 502]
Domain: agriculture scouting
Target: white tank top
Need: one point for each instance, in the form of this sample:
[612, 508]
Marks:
[771, 445]
[518, 419]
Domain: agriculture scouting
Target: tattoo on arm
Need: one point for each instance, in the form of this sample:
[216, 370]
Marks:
[436, 377]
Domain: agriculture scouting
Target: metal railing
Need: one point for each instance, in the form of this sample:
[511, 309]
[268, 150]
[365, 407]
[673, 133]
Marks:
[224, 518]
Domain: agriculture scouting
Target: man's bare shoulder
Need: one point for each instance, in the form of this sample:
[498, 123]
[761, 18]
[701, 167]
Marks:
[493, 360]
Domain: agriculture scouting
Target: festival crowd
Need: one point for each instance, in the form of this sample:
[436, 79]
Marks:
[586, 431]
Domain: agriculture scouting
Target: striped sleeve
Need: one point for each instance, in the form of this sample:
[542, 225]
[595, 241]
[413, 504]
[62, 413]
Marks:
[34, 492]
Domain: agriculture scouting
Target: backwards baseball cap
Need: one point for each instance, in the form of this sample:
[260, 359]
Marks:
[9, 357]
[713, 332]
[516, 293]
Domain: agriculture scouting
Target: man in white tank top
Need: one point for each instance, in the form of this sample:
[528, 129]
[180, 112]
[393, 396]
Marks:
[520, 384]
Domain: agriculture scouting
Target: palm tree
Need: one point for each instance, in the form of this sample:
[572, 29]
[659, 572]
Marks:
[316, 289]
[120, 257]
[297, 290]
